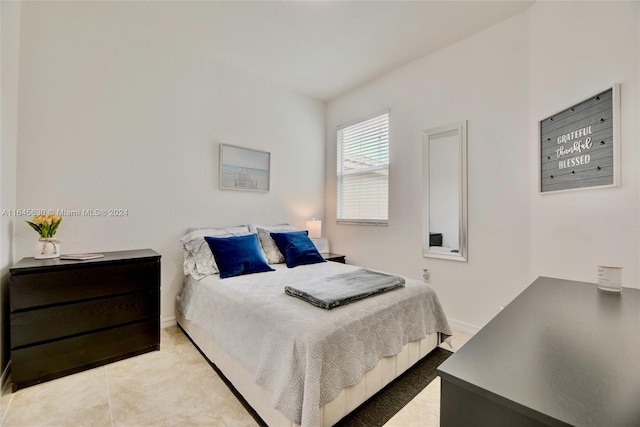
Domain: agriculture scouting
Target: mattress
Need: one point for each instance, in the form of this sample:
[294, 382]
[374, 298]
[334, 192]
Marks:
[303, 357]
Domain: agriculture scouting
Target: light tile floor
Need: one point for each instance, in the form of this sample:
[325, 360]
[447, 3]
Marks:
[171, 387]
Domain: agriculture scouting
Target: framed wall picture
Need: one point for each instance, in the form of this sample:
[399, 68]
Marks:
[580, 145]
[244, 169]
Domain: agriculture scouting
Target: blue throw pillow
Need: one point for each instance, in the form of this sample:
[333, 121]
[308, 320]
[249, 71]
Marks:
[238, 255]
[297, 248]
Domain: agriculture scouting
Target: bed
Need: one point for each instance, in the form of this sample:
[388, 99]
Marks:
[295, 363]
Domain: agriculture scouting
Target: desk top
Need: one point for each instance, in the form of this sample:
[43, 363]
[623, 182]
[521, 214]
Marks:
[562, 352]
[28, 265]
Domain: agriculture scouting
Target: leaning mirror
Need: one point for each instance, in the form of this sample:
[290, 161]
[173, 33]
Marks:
[444, 170]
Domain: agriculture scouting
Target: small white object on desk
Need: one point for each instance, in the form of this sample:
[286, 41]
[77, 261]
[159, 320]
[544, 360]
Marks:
[81, 257]
[610, 278]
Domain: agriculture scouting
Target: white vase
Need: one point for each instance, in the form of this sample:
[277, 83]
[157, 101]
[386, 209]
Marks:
[46, 248]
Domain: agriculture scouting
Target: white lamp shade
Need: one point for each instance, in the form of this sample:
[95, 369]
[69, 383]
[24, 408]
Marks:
[314, 226]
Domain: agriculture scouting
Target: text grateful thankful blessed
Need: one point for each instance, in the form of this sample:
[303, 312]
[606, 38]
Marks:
[578, 146]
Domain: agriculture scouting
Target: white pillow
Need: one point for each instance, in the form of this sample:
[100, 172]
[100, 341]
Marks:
[192, 233]
[198, 258]
[253, 228]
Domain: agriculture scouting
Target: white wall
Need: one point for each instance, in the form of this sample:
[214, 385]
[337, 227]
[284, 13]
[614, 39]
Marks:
[573, 232]
[116, 113]
[482, 79]
[503, 80]
[10, 47]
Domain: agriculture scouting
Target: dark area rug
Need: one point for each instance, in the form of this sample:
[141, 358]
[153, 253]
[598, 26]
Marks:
[382, 406]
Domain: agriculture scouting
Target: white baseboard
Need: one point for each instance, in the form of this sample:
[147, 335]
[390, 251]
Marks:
[168, 322]
[464, 327]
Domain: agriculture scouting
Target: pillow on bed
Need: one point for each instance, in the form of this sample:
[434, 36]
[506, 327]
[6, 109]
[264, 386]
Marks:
[269, 247]
[238, 255]
[198, 259]
[274, 228]
[297, 248]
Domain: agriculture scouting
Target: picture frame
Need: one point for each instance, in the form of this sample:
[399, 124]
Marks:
[579, 146]
[244, 169]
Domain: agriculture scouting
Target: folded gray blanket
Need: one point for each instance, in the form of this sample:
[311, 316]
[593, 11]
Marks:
[341, 289]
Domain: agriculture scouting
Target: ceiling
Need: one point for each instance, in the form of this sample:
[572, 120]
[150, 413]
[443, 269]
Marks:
[326, 48]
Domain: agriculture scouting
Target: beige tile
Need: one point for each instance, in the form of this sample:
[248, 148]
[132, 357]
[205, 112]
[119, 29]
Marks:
[233, 414]
[174, 386]
[163, 403]
[56, 400]
[178, 409]
[5, 400]
[95, 416]
[460, 338]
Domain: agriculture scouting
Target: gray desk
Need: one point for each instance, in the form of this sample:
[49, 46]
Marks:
[562, 353]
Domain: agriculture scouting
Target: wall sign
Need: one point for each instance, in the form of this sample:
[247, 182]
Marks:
[579, 146]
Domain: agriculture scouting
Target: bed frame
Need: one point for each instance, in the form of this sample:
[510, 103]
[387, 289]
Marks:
[349, 398]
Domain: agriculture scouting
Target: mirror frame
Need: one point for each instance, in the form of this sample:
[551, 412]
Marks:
[461, 129]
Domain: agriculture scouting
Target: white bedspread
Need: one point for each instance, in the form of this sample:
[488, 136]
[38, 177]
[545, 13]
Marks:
[304, 354]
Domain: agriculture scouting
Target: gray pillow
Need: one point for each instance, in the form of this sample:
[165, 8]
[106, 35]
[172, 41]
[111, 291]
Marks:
[271, 251]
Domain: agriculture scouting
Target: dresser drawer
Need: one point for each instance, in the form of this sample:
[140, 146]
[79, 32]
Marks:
[32, 365]
[67, 316]
[76, 318]
[75, 284]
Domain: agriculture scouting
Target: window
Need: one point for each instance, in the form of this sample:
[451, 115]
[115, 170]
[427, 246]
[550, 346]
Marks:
[363, 171]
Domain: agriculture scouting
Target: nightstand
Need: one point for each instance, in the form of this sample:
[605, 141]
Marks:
[67, 316]
[334, 257]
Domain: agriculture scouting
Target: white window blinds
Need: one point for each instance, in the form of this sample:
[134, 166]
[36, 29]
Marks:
[363, 171]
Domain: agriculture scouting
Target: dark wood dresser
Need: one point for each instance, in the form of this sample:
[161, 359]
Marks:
[67, 316]
[563, 353]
